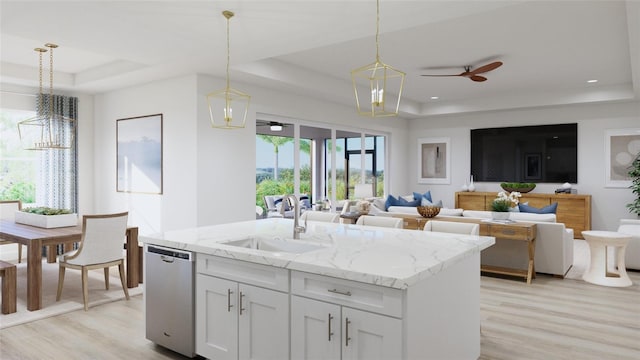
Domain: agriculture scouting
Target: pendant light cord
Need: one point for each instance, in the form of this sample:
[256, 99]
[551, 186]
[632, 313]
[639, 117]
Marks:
[377, 30]
[228, 52]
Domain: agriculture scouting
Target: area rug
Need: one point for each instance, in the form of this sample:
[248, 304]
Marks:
[71, 299]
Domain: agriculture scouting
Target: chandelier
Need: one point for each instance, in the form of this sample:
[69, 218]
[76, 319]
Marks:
[222, 103]
[46, 130]
[374, 83]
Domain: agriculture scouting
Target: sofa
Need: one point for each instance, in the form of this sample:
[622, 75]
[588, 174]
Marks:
[554, 244]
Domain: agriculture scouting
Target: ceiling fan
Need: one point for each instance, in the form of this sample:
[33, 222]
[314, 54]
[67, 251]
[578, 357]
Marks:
[273, 125]
[473, 74]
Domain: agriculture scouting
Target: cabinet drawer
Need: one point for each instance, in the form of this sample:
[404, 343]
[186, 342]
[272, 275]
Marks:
[511, 232]
[379, 299]
[249, 273]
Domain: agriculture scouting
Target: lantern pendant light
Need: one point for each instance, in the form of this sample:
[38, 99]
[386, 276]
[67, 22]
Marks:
[47, 130]
[228, 107]
[374, 84]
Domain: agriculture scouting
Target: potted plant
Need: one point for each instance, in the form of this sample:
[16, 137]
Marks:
[46, 217]
[503, 203]
[634, 174]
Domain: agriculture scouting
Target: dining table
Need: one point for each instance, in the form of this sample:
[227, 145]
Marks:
[36, 237]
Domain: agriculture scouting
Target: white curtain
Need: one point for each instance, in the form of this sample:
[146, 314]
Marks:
[58, 182]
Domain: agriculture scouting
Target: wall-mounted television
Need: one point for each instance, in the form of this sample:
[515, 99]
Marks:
[535, 154]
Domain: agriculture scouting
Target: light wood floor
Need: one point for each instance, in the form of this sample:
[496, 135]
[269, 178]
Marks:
[549, 319]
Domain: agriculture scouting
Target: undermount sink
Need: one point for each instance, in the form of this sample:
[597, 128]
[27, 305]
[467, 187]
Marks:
[275, 245]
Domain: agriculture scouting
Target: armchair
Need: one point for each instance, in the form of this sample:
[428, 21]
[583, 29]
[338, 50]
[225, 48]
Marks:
[632, 253]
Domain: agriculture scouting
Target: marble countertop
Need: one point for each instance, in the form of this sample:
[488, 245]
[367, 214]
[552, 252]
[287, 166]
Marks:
[394, 258]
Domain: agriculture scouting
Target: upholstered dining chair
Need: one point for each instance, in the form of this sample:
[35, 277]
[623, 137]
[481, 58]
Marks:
[100, 248]
[320, 216]
[452, 227]
[8, 210]
[382, 221]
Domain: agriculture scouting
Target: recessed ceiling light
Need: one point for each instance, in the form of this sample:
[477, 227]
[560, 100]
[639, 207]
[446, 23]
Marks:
[592, 81]
[435, 97]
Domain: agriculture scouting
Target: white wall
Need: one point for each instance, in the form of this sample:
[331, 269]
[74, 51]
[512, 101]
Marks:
[608, 204]
[209, 174]
[176, 100]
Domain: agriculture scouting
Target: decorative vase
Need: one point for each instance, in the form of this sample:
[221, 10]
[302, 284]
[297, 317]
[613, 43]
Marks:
[497, 215]
[471, 186]
[465, 187]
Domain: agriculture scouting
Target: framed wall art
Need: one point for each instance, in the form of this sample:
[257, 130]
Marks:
[139, 154]
[621, 146]
[434, 161]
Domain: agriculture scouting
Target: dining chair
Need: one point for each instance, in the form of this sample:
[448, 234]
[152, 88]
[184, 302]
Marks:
[452, 227]
[8, 210]
[382, 221]
[320, 216]
[100, 248]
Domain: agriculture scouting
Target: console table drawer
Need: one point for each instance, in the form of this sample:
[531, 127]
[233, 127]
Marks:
[511, 231]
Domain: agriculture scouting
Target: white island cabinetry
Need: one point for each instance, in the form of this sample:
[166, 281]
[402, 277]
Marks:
[335, 327]
[359, 293]
[236, 320]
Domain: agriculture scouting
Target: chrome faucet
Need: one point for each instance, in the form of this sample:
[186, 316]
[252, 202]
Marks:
[297, 228]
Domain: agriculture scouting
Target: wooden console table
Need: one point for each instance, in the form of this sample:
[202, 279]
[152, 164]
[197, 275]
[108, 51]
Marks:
[518, 231]
[574, 211]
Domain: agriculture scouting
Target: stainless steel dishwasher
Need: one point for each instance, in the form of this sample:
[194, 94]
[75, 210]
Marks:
[169, 298]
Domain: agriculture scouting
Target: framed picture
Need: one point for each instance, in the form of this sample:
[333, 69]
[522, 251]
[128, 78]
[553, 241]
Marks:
[434, 161]
[621, 146]
[533, 166]
[139, 154]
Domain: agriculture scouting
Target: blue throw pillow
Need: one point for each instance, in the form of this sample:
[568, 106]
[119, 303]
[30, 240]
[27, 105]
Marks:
[418, 196]
[392, 201]
[549, 209]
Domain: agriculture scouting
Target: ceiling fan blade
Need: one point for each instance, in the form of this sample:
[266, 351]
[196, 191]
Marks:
[487, 68]
[477, 78]
[443, 75]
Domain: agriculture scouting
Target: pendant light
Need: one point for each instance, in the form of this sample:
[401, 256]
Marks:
[46, 130]
[374, 83]
[228, 107]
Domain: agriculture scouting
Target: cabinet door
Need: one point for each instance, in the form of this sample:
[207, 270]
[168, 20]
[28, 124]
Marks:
[370, 336]
[263, 323]
[471, 201]
[217, 320]
[315, 329]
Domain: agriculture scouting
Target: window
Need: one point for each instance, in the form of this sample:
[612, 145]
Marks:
[278, 161]
[19, 168]
[351, 170]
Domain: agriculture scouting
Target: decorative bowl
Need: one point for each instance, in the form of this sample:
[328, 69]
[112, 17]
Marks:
[428, 211]
[522, 190]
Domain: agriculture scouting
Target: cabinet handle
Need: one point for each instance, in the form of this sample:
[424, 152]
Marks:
[346, 331]
[241, 308]
[330, 332]
[229, 306]
[336, 291]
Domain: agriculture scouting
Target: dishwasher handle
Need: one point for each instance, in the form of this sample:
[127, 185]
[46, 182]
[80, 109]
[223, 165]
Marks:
[169, 255]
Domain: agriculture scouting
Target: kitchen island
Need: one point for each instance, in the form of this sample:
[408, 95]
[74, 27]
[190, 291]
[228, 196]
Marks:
[341, 291]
